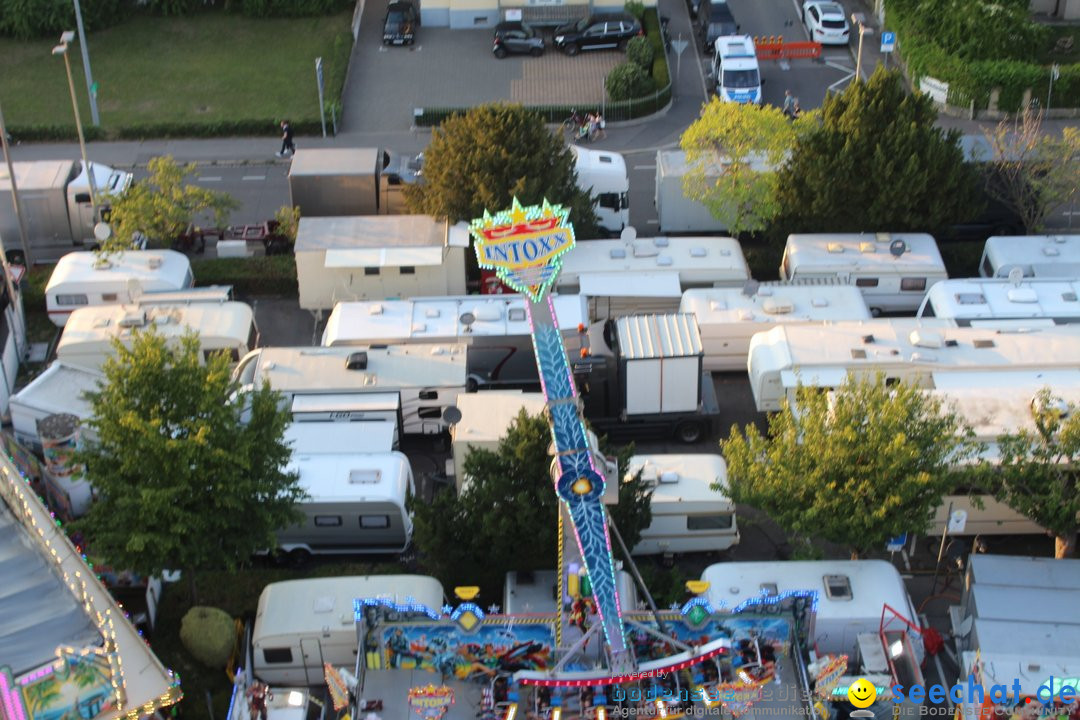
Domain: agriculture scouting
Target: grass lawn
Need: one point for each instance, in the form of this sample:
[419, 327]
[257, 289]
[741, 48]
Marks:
[210, 67]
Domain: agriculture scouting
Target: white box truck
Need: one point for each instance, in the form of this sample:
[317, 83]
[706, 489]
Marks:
[326, 182]
[58, 215]
[603, 174]
[678, 213]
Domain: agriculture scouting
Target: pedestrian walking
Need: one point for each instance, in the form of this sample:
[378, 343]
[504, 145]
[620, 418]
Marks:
[789, 104]
[286, 139]
[258, 693]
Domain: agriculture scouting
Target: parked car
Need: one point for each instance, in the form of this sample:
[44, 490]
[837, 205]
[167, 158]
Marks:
[597, 31]
[714, 21]
[399, 26]
[517, 37]
[826, 22]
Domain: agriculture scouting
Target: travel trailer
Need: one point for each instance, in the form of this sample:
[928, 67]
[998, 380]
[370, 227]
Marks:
[634, 275]
[87, 339]
[375, 257]
[1033, 256]
[357, 490]
[603, 175]
[991, 302]
[688, 515]
[494, 328]
[728, 317]
[893, 271]
[416, 382]
[905, 349]
[81, 278]
[302, 624]
[61, 388]
[853, 597]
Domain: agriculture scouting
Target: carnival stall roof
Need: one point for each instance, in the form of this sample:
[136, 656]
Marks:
[55, 610]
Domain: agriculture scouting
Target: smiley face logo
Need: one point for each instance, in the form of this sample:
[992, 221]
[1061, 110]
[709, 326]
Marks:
[862, 693]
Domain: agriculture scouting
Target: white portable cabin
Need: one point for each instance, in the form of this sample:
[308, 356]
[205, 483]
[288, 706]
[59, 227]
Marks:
[990, 301]
[417, 381]
[80, 279]
[484, 419]
[852, 596]
[378, 257]
[728, 317]
[892, 270]
[910, 350]
[1039, 256]
[357, 490]
[61, 388]
[602, 174]
[687, 514]
[301, 624]
[648, 275]
[222, 327]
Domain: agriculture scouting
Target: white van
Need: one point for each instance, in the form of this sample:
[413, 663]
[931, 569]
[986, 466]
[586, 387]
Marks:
[735, 70]
[687, 514]
[603, 175]
[301, 624]
[81, 278]
[892, 270]
[1036, 256]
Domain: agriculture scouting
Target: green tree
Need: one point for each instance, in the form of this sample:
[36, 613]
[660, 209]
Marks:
[162, 206]
[484, 158]
[855, 467]
[876, 163]
[181, 480]
[506, 517]
[628, 81]
[1033, 172]
[1039, 472]
[732, 152]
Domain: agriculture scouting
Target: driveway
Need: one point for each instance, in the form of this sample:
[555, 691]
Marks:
[455, 68]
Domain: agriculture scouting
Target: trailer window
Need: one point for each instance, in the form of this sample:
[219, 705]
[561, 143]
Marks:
[371, 271]
[72, 300]
[374, 522]
[838, 587]
[108, 297]
[709, 522]
[277, 655]
[429, 413]
[429, 394]
[912, 283]
[327, 521]
[786, 267]
[866, 282]
[407, 270]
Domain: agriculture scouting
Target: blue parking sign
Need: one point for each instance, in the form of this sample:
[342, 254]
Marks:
[888, 42]
[896, 544]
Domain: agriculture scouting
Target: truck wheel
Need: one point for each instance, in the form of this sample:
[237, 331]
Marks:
[689, 432]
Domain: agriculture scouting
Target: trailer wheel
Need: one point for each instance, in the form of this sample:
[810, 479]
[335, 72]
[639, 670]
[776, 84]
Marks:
[689, 432]
[298, 558]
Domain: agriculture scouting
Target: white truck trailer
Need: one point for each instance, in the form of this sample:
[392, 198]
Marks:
[679, 214]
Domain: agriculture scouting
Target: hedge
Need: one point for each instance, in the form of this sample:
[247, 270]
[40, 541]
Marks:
[272, 275]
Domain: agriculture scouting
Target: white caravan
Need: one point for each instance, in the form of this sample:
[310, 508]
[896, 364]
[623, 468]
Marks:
[301, 624]
[1039, 256]
[992, 302]
[603, 175]
[81, 278]
[728, 317]
[87, 339]
[688, 515]
[418, 381]
[357, 490]
[61, 388]
[904, 349]
[494, 328]
[853, 597]
[892, 270]
[632, 275]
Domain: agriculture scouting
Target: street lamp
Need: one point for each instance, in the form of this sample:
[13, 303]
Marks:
[62, 49]
[860, 20]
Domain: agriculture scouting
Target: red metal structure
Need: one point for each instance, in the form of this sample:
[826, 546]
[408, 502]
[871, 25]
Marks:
[773, 47]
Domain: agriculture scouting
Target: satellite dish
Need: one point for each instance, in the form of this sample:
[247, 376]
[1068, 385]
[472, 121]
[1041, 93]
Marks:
[628, 234]
[102, 231]
[897, 247]
[451, 415]
[1016, 275]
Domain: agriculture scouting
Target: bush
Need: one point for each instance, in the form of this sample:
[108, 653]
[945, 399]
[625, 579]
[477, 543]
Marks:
[635, 8]
[274, 275]
[172, 7]
[661, 77]
[640, 51]
[628, 81]
[209, 635]
[28, 19]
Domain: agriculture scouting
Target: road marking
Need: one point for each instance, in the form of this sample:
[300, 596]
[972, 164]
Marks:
[645, 167]
[652, 222]
[210, 178]
[253, 177]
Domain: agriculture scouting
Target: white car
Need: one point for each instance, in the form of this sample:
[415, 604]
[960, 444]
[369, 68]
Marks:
[826, 22]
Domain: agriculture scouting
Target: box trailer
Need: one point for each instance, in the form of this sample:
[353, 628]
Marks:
[326, 182]
[1032, 256]
[61, 388]
[82, 278]
[302, 624]
[677, 213]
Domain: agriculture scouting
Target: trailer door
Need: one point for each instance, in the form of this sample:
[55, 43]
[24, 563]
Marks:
[311, 650]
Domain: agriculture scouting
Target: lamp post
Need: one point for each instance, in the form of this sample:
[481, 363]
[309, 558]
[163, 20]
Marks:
[90, 91]
[62, 49]
[860, 20]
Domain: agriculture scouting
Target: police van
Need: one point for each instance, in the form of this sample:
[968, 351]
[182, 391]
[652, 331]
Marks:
[735, 70]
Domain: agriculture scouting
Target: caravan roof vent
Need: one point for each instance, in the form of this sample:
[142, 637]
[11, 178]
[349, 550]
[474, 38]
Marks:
[433, 313]
[618, 253]
[838, 587]
[1022, 295]
[778, 306]
[835, 248]
[883, 237]
[1068, 296]
[1051, 251]
[858, 354]
[642, 250]
[867, 247]
[867, 339]
[661, 241]
[983, 343]
[364, 477]
[925, 338]
[133, 320]
[375, 309]
[154, 262]
[1059, 238]
[698, 252]
[419, 327]
[769, 589]
[923, 357]
[970, 298]
[101, 323]
[669, 477]
[664, 261]
[746, 314]
[516, 315]
[356, 361]
[715, 305]
[765, 291]
[819, 301]
[487, 313]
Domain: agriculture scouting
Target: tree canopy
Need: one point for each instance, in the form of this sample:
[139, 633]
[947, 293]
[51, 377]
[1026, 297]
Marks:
[181, 482]
[1039, 471]
[877, 163]
[162, 206]
[482, 159]
[506, 516]
[733, 151]
[856, 467]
